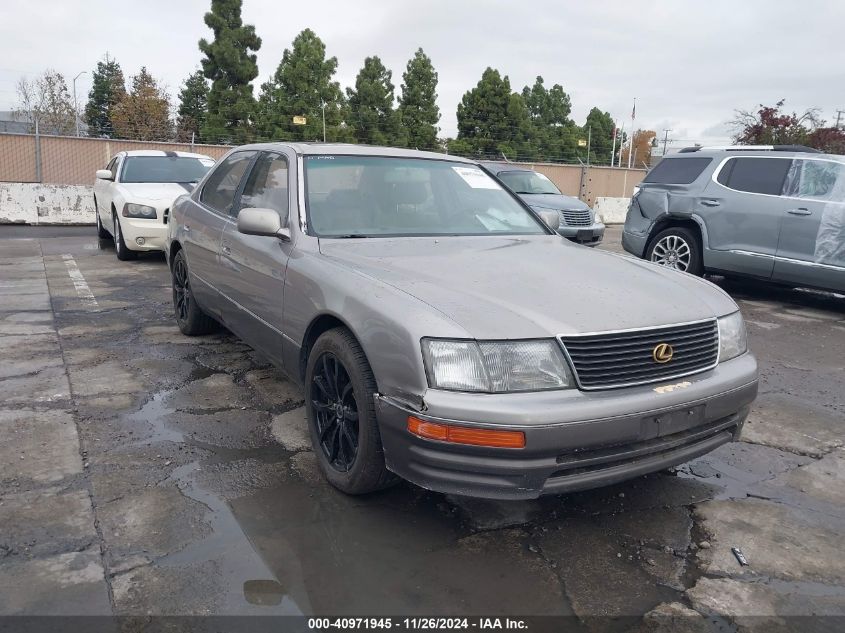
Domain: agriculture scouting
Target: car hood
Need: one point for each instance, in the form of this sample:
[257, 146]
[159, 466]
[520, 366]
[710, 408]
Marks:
[523, 287]
[156, 190]
[556, 202]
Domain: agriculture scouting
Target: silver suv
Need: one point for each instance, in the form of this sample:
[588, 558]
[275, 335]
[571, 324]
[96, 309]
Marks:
[769, 212]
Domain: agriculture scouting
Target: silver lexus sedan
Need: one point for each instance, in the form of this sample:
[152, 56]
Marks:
[444, 333]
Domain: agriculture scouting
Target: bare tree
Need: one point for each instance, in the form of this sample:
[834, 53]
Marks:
[46, 100]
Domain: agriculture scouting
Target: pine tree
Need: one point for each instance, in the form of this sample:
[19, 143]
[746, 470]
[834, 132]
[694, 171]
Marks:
[230, 64]
[107, 90]
[371, 115]
[493, 120]
[193, 107]
[301, 85]
[144, 112]
[554, 135]
[418, 111]
[599, 126]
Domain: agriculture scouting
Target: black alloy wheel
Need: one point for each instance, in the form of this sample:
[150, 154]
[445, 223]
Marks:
[333, 399]
[190, 318]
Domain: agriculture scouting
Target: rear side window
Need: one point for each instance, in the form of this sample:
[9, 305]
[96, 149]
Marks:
[755, 175]
[222, 185]
[677, 171]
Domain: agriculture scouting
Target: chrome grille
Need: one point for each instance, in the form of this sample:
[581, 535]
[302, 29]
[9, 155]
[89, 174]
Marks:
[576, 217]
[617, 359]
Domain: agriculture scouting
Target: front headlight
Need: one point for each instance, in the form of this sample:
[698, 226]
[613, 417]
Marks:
[131, 210]
[732, 338]
[495, 366]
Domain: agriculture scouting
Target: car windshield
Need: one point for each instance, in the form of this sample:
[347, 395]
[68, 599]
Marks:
[365, 196]
[527, 182]
[164, 168]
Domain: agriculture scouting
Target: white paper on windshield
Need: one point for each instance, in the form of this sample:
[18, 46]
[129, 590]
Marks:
[542, 176]
[475, 178]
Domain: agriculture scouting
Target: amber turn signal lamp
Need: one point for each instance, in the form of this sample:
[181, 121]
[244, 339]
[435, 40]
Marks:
[466, 435]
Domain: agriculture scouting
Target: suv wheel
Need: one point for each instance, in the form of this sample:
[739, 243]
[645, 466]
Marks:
[190, 318]
[676, 248]
[123, 253]
[339, 390]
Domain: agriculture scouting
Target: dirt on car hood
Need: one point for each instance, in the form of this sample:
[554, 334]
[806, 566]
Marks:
[522, 287]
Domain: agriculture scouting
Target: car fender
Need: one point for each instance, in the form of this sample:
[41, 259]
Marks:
[386, 321]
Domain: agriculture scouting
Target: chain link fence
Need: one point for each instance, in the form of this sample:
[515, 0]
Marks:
[72, 160]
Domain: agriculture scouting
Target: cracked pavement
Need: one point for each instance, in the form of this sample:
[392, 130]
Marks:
[143, 472]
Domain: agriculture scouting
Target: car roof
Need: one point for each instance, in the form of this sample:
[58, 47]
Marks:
[351, 149]
[780, 151]
[159, 152]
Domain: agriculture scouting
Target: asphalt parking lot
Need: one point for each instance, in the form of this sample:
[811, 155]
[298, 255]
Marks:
[144, 472]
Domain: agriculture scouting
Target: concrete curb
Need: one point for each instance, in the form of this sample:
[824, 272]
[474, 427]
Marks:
[34, 203]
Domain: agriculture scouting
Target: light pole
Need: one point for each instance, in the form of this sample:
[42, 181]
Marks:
[75, 106]
[323, 104]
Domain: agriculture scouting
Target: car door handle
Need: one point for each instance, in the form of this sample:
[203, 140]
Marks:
[226, 250]
[799, 211]
[710, 203]
[186, 228]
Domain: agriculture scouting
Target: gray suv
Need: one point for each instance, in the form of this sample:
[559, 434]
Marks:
[775, 213]
[422, 306]
[577, 221]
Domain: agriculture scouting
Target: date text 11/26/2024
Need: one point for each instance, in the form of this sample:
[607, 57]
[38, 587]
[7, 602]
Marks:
[417, 624]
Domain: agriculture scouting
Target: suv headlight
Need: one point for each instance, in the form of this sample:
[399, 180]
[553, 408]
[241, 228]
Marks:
[131, 210]
[495, 366]
[732, 338]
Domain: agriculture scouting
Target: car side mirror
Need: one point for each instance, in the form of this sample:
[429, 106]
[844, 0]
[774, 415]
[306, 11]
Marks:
[550, 219]
[266, 222]
[104, 174]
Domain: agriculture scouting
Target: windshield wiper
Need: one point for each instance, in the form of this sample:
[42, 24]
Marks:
[346, 236]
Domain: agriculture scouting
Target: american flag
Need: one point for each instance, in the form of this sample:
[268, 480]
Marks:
[634, 110]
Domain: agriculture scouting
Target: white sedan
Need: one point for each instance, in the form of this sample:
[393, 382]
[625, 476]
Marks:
[134, 193]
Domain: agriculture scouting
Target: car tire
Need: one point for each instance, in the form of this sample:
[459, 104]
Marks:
[340, 386]
[120, 249]
[101, 231]
[190, 318]
[678, 248]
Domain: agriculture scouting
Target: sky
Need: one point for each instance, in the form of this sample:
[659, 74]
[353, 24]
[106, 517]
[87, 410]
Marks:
[689, 64]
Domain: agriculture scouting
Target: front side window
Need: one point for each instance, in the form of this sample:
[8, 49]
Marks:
[222, 185]
[755, 174]
[185, 169]
[267, 186]
[366, 196]
[677, 171]
[527, 182]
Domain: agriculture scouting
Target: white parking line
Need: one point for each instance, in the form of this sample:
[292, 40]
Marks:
[79, 283]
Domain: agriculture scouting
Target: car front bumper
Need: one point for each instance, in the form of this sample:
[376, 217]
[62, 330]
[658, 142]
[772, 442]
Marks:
[573, 440]
[153, 232]
[588, 235]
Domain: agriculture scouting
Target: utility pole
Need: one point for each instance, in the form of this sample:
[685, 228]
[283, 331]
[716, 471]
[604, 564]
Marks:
[665, 140]
[323, 105]
[589, 140]
[76, 107]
